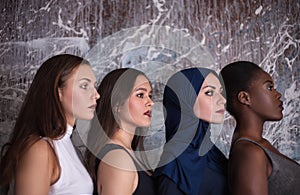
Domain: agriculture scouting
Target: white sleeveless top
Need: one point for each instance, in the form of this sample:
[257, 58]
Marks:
[74, 178]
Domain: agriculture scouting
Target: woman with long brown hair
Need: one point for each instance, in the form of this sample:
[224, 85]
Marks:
[125, 106]
[40, 157]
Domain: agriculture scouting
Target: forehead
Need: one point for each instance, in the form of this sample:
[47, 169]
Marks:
[262, 77]
[140, 80]
[211, 79]
[84, 71]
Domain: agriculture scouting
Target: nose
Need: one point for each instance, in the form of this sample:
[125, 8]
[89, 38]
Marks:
[222, 99]
[278, 94]
[150, 102]
[95, 95]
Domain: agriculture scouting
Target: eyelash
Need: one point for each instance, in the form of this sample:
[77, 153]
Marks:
[270, 87]
[141, 95]
[209, 93]
[84, 86]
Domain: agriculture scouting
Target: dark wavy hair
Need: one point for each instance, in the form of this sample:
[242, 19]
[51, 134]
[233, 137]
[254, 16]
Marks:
[41, 114]
[115, 89]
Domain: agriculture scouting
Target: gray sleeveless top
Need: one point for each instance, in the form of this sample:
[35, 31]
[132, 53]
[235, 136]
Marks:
[285, 176]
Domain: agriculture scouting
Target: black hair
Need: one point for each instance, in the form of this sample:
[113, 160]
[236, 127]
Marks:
[237, 76]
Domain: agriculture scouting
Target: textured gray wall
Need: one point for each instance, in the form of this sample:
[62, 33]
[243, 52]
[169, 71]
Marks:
[266, 32]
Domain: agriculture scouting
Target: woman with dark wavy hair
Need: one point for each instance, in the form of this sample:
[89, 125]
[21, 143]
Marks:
[124, 108]
[40, 157]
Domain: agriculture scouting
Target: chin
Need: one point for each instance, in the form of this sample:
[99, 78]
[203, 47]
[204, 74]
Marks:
[276, 119]
[216, 120]
[87, 118]
[145, 125]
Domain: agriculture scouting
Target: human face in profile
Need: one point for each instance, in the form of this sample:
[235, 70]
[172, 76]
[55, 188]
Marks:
[210, 103]
[78, 95]
[264, 98]
[136, 111]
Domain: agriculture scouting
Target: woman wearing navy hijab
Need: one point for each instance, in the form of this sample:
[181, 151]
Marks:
[190, 162]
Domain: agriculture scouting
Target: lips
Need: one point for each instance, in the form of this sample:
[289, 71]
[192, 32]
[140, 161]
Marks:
[148, 113]
[281, 105]
[93, 106]
[221, 111]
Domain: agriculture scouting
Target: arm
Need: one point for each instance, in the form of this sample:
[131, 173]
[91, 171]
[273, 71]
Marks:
[248, 170]
[35, 172]
[116, 174]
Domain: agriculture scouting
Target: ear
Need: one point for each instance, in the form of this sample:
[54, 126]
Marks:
[244, 98]
[60, 93]
[116, 108]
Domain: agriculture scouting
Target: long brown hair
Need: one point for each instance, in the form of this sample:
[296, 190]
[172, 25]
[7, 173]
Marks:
[41, 114]
[115, 89]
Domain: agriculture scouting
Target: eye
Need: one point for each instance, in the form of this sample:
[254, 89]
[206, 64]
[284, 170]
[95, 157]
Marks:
[209, 93]
[150, 96]
[84, 86]
[270, 87]
[140, 95]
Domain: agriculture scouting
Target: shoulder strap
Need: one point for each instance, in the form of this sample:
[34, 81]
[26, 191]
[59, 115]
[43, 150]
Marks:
[254, 142]
[110, 147]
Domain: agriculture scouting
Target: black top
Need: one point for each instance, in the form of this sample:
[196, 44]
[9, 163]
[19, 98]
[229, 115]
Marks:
[145, 185]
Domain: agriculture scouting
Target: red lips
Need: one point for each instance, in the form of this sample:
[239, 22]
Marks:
[148, 113]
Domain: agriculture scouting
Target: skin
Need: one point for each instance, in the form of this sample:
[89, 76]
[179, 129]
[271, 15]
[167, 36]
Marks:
[39, 165]
[133, 113]
[210, 103]
[117, 166]
[79, 95]
[249, 167]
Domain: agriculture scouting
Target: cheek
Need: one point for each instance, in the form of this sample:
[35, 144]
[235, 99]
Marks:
[203, 109]
[262, 101]
[77, 99]
[133, 107]
[67, 100]
[206, 107]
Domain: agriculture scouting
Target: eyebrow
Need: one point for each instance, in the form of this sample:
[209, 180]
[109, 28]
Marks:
[143, 89]
[269, 81]
[86, 79]
[211, 86]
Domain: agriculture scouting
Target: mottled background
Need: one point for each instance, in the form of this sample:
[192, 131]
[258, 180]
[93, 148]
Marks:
[158, 37]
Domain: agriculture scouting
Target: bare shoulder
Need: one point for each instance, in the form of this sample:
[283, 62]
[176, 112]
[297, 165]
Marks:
[245, 153]
[39, 156]
[246, 148]
[40, 151]
[117, 167]
[119, 159]
[37, 165]
[248, 169]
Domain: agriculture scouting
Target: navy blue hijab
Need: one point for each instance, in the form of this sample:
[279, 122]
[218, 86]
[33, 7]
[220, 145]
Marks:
[189, 158]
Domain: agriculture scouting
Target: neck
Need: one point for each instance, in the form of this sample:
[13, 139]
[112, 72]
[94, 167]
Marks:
[71, 121]
[252, 129]
[123, 138]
